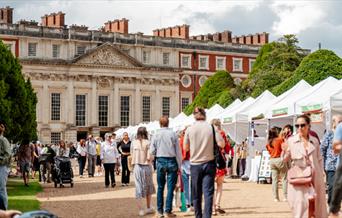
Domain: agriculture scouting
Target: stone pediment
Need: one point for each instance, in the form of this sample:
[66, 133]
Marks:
[109, 55]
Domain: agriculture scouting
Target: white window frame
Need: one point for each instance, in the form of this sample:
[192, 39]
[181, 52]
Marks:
[104, 109]
[168, 60]
[28, 49]
[57, 136]
[190, 81]
[58, 46]
[206, 67]
[128, 121]
[224, 63]
[77, 50]
[10, 45]
[250, 64]
[165, 109]
[147, 59]
[240, 69]
[201, 78]
[182, 105]
[85, 110]
[143, 108]
[189, 62]
[55, 110]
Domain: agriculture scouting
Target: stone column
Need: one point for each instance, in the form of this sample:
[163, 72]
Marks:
[45, 108]
[157, 105]
[93, 103]
[176, 101]
[116, 103]
[137, 107]
[70, 102]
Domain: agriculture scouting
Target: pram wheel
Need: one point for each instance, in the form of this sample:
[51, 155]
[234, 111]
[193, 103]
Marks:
[72, 185]
[55, 184]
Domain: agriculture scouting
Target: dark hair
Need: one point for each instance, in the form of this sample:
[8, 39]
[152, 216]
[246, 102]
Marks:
[305, 117]
[164, 121]
[288, 126]
[200, 111]
[272, 134]
[142, 133]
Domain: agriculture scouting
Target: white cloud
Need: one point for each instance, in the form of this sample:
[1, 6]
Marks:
[296, 16]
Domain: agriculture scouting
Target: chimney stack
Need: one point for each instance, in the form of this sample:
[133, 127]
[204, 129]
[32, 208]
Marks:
[6, 15]
[181, 32]
[117, 26]
[56, 20]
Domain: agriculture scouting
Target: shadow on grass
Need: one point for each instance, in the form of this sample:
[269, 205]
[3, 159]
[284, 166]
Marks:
[21, 197]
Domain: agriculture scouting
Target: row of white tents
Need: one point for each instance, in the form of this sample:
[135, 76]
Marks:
[241, 117]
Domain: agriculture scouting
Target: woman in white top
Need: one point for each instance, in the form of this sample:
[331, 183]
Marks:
[109, 157]
[143, 173]
[63, 150]
[82, 151]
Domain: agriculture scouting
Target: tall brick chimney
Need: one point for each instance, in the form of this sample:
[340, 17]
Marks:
[117, 26]
[6, 15]
[181, 32]
[54, 20]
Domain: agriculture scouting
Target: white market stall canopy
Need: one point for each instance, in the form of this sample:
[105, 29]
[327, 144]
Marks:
[225, 117]
[213, 112]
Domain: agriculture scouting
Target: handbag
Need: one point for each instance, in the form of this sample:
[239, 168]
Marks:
[300, 175]
[220, 161]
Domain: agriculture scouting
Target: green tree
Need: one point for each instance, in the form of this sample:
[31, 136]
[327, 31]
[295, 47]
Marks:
[17, 99]
[211, 91]
[275, 62]
[314, 68]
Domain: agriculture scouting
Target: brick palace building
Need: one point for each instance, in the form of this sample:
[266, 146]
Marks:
[94, 81]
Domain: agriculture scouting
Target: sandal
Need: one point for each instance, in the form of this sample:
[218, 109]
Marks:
[218, 209]
[214, 213]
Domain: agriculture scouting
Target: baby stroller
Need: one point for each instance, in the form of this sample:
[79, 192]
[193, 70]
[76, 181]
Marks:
[62, 172]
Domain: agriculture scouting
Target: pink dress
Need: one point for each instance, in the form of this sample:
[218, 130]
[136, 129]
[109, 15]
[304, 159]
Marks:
[298, 195]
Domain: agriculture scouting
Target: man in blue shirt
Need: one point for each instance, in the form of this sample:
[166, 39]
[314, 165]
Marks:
[165, 148]
[336, 197]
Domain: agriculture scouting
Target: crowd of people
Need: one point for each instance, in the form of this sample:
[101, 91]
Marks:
[188, 163]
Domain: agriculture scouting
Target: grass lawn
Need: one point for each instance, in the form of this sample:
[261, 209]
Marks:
[23, 198]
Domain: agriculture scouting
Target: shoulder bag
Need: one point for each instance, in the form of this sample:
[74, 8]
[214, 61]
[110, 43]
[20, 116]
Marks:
[301, 175]
[220, 161]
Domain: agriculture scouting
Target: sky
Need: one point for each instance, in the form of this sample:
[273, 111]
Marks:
[312, 21]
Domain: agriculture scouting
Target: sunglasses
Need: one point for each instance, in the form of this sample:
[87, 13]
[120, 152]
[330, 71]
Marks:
[300, 125]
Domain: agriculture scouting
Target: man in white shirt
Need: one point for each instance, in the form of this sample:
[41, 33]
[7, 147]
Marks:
[91, 151]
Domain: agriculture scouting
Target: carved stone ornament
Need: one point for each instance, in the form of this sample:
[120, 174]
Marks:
[103, 82]
[105, 55]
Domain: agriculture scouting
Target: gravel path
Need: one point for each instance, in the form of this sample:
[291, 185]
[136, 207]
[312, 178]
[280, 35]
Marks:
[89, 198]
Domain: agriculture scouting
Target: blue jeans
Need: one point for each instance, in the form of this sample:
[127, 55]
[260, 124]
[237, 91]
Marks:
[330, 180]
[3, 189]
[202, 182]
[186, 183]
[336, 197]
[166, 172]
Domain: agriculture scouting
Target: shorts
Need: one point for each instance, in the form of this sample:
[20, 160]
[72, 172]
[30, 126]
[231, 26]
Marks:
[25, 167]
[98, 160]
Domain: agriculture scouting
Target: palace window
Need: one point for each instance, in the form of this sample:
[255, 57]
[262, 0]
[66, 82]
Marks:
[186, 60]
[55, 106]
[202, 80]
[103, 110]
[80, 110]
[166, 106]
[166, 58]
[146, 57]
[185, 102]
[55, 137]
[56, 51]
[32, 49]
[80, 50]
[203, 62]
[124, 106]
[220, 63]
[146, 108]
[237, 64]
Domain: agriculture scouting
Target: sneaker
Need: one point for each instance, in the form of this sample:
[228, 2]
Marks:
[141, 212]
[276, 200]
[284, 200]
[81, 176]
[167, 215]
[113, 185]
[149, 210]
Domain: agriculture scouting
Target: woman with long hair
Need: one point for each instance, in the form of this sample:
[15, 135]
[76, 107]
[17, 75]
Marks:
[306, 197]
[143, 173]
[82, 158]
[63, 150]
[124, 148]
[220, 173]
[278, 167]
